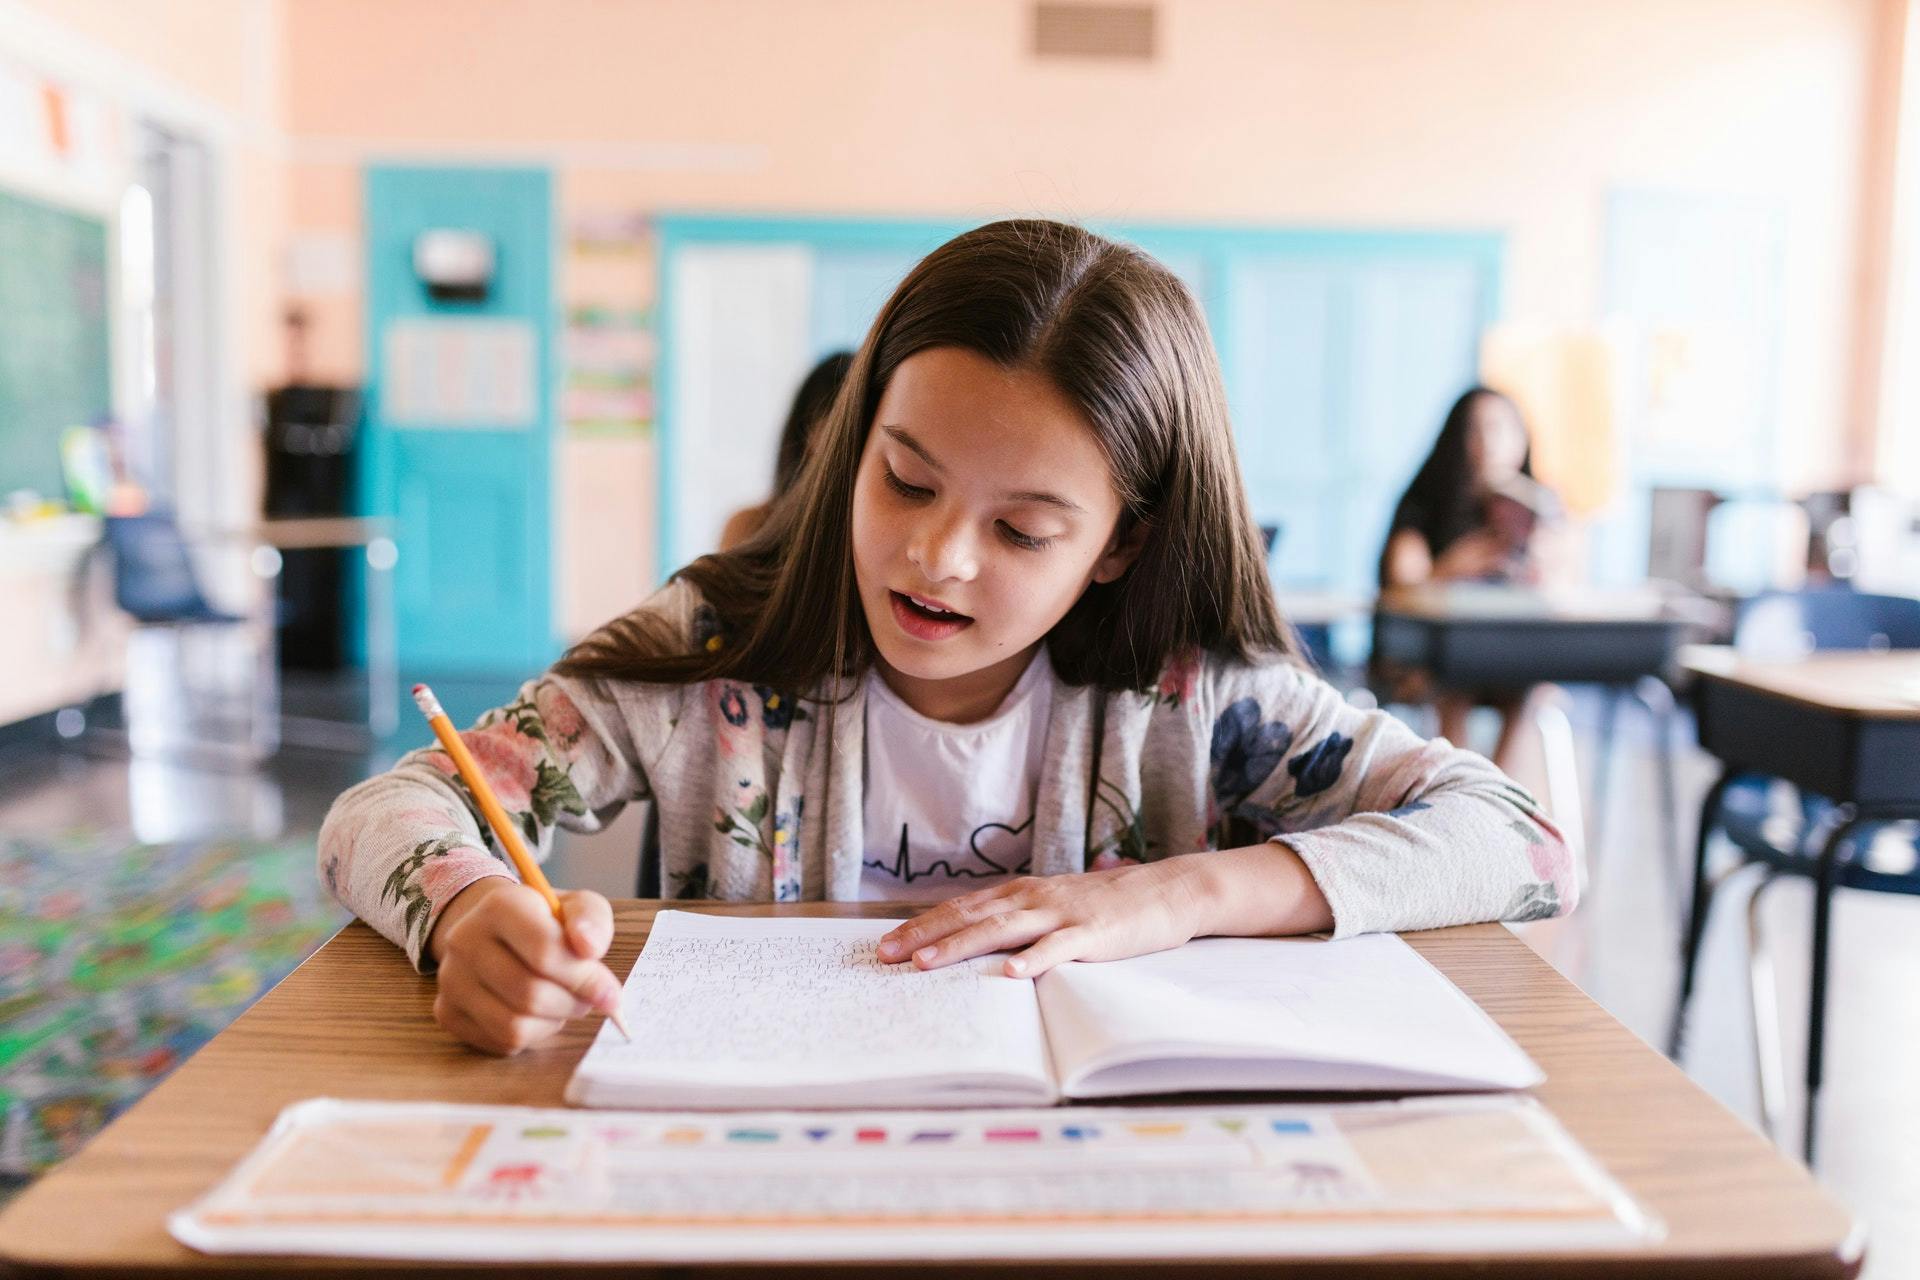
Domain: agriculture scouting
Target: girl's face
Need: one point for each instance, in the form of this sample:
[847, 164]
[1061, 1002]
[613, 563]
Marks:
[1496, 440]
[982, 509]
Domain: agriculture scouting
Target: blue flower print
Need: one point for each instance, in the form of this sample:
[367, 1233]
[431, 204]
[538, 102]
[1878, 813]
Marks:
[706, 628]
[1245, 751]
[733, 707]
[777, 710]
[1318, 767]
[1408, 809]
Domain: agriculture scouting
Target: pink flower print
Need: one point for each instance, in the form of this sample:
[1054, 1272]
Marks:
[564, 724]
[1552, 862]
[441, 878]
[506, 757]
[441, 761]
[730, 716]
[1176, 680]
[429, 819]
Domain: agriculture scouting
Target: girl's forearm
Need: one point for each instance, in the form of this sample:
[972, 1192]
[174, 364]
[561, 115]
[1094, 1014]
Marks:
[1262, 890]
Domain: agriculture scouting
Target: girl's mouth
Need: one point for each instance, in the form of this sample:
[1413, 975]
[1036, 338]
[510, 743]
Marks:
[926, 621]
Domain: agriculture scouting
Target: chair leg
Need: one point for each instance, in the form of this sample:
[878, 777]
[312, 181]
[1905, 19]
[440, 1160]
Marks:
[647, 879]
[1697, 916]
[1563, 781]
[1658, 699]
[1829, 873]
[1768, 1057]
[1603, 769]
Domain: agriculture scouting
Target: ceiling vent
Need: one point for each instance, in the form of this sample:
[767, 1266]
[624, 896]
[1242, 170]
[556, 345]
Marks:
[1121, 31]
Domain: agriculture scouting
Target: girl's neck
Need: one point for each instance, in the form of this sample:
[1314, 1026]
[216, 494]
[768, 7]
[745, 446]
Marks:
[959, 699]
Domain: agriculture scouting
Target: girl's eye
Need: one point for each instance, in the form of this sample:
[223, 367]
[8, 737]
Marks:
[901, 487]
[1023, 540]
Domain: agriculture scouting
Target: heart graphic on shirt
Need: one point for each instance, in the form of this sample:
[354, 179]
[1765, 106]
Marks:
[973, 843]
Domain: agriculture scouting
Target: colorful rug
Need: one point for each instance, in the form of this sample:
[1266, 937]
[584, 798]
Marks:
[118, 960]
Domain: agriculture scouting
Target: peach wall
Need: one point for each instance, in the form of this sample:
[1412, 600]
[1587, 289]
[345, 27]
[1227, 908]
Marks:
[204, 47]
[1484, 113]
[214, 68]
[1875, 261]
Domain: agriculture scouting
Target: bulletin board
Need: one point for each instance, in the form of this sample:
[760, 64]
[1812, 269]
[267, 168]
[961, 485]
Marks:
[55, 345]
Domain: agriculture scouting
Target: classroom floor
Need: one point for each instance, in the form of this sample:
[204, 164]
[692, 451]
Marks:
[1622, 946]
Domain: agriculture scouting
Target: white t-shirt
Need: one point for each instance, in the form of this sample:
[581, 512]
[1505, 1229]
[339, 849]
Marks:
[948, 808]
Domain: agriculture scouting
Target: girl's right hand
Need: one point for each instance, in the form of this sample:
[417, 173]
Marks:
[509, 975]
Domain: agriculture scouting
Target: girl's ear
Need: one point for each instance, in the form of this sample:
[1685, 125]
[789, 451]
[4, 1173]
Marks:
[1121, 552]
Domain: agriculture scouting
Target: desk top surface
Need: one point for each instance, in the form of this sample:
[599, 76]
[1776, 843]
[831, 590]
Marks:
[1473, 602]
[293, 533]
[354, 1021]
[304, 533]
[1874, 686]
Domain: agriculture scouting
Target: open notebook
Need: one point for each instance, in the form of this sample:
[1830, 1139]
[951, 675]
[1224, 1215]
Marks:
[733, 1012]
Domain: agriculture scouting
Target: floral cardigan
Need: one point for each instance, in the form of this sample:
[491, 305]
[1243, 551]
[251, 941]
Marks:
[759, 794]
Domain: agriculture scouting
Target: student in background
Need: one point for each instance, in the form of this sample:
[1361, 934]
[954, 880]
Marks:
[810, 405]
[1474, 513]
[1010, 643]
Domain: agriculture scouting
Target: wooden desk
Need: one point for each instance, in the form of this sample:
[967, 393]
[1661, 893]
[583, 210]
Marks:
[1479, 637]
[355, 1022]
[374, 538]
[1473, 637]
[74, 648]
[307, 533]
[1846, 725]
[1843, 725]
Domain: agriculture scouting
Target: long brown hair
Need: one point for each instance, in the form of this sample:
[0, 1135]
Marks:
[1122, 339]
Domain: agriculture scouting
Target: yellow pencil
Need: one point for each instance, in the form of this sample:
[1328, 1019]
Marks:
[503, 828]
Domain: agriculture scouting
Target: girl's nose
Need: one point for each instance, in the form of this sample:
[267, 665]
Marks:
[942, 549]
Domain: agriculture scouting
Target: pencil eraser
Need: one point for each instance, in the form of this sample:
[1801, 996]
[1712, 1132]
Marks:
[429, 705]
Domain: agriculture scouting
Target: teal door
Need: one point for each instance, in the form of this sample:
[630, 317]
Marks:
[460, 422]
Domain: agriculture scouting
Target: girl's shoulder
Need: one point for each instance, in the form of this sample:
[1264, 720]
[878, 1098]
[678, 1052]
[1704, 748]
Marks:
[1197, 683]
[676, 618]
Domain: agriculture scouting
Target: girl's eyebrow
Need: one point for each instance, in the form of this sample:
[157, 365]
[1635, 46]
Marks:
[904, 438]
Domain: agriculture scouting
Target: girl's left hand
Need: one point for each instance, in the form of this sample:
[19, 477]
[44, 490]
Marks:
[1094, 915]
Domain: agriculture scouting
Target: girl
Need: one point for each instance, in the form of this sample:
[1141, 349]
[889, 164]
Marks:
[1472, 513]
[1010, 644]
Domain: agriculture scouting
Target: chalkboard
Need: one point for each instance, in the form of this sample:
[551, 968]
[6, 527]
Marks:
[55, 347]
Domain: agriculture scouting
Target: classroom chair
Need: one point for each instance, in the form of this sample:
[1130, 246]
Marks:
[1677, 524]
[154, 583]
[1789, 841]
[646, 880]
[1316, 638]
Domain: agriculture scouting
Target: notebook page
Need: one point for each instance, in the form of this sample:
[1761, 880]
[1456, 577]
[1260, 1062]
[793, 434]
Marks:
[759, 1006]
[1371, 1006]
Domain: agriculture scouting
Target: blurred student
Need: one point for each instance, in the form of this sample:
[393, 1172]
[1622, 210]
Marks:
[1474, 513]
[810, 405]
